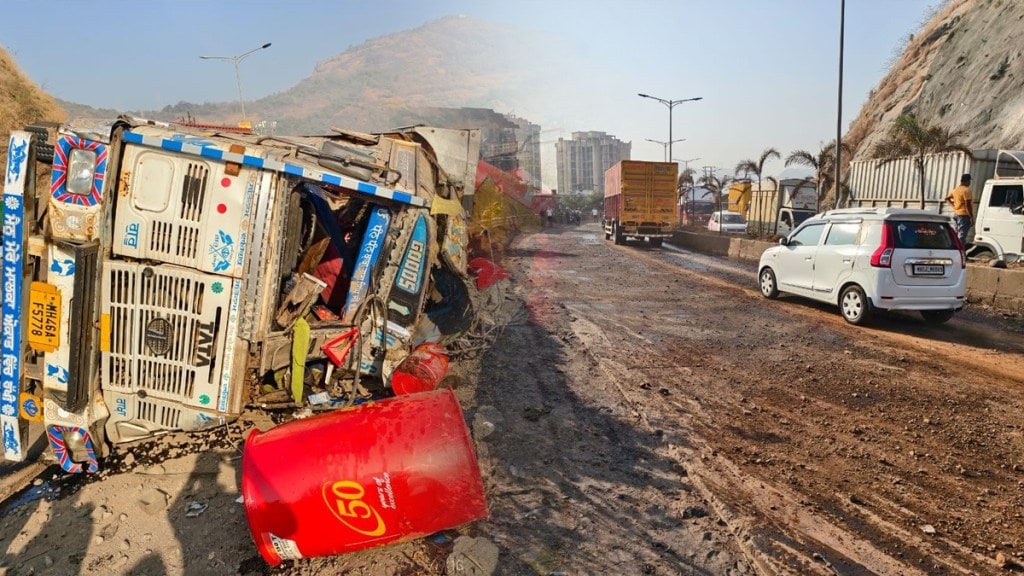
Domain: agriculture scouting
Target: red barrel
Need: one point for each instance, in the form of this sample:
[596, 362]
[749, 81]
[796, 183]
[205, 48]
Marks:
[422, 370]
[375, 474]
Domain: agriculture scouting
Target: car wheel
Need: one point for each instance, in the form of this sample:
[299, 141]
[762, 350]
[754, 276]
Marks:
[854, 305]
[769, 287]
[936, 316]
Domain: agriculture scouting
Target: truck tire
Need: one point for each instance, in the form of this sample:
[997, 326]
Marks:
[607, 234]
[854, 305]
[656, 242]
[617, 232]
[43, 150]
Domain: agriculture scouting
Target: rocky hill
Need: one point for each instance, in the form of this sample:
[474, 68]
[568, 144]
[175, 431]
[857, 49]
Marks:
[21, 102]
[389, 81]
[962, 71]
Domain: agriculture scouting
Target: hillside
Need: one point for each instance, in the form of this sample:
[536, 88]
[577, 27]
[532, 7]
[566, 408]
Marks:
[21, 101]
[380, 84]
[962, 71]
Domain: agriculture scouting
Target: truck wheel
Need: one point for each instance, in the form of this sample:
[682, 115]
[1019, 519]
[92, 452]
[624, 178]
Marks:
[617, 232]
[854, 305]
[656, 241]
[607, 234]
[936, 316]
[980, 254]
[769, 287]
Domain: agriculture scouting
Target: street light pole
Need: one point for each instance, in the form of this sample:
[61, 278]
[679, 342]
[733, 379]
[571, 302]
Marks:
[670, 104]
[686, 163]
[238, 75]
[839, 115]
[665, 145]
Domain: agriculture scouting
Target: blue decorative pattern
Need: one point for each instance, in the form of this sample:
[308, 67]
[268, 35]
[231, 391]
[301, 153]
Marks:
[10, 311]
[206, 149]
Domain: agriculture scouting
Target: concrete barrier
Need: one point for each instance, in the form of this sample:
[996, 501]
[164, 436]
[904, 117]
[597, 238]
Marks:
[1000, 289]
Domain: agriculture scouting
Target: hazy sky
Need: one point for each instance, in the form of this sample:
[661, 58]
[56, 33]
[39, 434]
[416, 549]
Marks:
[767, 70]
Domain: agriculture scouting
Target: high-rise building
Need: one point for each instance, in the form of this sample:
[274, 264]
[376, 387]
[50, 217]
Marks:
[582, 160]
[527, 135]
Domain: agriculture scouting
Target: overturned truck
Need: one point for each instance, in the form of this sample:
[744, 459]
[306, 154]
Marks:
[160, 277]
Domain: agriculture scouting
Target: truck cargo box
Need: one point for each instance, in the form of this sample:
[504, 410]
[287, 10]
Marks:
[640, 200]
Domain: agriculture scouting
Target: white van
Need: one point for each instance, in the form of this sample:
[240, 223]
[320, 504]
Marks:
[726, 221]
[862, 259]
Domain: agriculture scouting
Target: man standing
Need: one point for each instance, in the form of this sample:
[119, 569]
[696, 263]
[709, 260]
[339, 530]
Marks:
[963, 208]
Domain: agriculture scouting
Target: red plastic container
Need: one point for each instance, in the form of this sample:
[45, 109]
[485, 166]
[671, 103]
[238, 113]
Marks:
[422, 370]
[375, 474]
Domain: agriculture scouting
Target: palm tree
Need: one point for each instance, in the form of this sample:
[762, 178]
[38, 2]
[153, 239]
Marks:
[823, 164]
[910, 137]
[686, 178]
[757, 168]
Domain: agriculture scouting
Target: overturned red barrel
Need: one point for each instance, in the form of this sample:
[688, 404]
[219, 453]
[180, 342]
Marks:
[422, 370]
[378, 473]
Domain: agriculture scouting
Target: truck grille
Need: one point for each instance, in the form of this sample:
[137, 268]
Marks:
[166, 335]
[178, 240]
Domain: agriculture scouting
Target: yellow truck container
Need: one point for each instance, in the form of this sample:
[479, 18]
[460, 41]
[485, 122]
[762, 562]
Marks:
[640, 201]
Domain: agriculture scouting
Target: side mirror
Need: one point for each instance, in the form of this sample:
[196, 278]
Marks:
[784, 241]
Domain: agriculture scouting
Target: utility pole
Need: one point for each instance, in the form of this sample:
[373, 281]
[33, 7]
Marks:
[238, 75]
[839, 115]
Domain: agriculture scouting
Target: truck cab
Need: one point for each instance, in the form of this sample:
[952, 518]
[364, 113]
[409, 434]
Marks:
[161, 276]
[999, 221]
[790, 218]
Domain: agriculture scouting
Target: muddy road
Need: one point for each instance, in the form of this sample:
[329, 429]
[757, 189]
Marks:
[640, 411]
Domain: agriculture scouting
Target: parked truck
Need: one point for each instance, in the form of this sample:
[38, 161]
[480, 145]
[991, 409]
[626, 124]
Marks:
[159, 277]
[640, 201]
[778, 206]
[696, 205]
[997, 186]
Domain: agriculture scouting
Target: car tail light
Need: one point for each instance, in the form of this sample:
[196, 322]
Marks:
[882, 257]
[959, 246]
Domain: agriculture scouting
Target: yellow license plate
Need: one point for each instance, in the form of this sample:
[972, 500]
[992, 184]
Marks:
[43, 317]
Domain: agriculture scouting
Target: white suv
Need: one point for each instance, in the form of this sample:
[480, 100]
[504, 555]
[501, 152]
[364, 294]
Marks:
[866, 258]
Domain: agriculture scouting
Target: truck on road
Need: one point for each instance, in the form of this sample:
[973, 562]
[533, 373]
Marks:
[997, 187]
[640, 201]
[160, 277]
[778, 206]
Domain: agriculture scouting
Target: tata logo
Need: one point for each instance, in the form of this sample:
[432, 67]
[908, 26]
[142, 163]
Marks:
[158, 336]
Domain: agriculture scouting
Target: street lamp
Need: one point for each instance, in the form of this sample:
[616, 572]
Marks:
[670, 104]
[686, 163]
[839, 114]
[664, 145]
[238, 76]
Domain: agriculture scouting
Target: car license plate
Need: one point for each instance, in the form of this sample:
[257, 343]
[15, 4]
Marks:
[929, 269]
[43, 317]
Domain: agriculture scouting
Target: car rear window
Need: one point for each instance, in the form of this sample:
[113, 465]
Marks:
[924, 235]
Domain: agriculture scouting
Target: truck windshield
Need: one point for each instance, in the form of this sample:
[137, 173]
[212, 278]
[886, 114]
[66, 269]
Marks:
[800, 217]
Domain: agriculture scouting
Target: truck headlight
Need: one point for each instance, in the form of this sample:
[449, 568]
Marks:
[81, 171]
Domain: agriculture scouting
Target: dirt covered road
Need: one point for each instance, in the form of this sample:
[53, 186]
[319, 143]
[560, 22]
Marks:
[642, 411]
